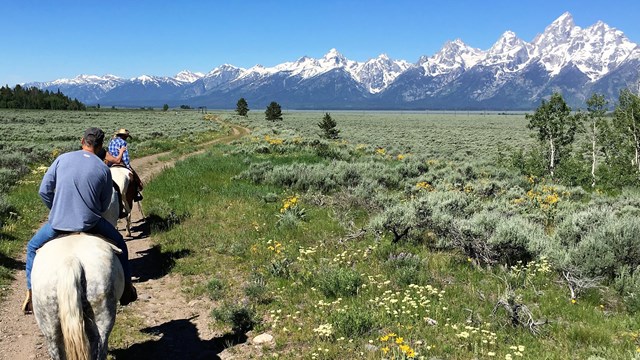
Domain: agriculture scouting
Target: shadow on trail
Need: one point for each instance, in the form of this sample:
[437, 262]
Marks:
[179, 340]
[11, 263]
[154, 263]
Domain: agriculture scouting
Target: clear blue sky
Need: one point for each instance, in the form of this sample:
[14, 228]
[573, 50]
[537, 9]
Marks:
[46, 40]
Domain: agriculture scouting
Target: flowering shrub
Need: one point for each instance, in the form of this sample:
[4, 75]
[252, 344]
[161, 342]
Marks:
[290, 213]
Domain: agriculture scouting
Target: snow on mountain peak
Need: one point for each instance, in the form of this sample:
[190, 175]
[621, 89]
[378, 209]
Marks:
[454, 56]
[333, 57]
[188, 76]
[510, 51]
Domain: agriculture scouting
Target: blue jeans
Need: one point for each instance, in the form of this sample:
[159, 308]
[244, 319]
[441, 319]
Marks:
[103, 228]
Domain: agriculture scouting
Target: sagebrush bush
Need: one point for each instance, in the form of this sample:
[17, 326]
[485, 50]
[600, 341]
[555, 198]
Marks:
[399, 219]
[627, 284]
[352, 322]
[513, 240]
[338, 282]
[407, 268]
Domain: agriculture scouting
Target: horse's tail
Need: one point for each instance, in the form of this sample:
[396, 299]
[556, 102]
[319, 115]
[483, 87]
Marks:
[69, 291]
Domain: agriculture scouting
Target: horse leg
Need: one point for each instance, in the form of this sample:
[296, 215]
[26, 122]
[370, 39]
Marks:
[129, 223]
[50, 326]
[141, 212]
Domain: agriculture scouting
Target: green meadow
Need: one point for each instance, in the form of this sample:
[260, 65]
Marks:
[413, 235]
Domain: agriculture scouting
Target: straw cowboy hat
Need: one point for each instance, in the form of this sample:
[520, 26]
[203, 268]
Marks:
[123, 131]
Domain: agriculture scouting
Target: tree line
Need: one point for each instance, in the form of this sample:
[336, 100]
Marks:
[592, 148]
[33, 98]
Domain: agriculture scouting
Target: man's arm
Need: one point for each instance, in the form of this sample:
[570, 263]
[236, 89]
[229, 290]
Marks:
[116, 159]
[48, 185]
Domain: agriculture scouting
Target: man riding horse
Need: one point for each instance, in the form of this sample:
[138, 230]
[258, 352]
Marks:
[116, 145]
[77, 189]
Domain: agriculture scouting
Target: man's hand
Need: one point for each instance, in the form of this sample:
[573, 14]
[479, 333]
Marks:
[122, 150]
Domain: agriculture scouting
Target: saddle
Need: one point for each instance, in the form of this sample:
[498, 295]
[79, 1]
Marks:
[133, 192]
[111, 242]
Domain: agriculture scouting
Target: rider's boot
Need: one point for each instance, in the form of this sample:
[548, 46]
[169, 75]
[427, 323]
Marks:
[27, 306]
[129, 294]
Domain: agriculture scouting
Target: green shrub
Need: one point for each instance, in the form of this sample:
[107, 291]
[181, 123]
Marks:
[407, 268]
[280, 267]
[339, 282]
[241, 317]
[256, 290]
[215, 289]
[352, 322]
[627, 284]
[593, 257]
[513, 240]
[399, 219]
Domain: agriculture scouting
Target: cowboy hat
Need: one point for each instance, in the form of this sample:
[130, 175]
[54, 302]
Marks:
[123, 131]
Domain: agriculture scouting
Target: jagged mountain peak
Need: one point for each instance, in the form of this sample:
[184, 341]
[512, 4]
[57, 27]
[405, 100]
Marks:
[188, 76]
[334, 57]
[564, 21]
[563, 57]
[559, 31]
[454, 56]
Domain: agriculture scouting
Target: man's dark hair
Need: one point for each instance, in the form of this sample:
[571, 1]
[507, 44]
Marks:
[94, 137]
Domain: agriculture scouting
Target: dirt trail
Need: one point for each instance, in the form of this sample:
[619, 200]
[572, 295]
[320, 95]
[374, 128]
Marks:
[179, 329]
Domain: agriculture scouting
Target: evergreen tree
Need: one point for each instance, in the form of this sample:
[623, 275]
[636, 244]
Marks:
[273, 112]
[556, 128]
[242, 107]
[328, 126]
[165, 107]
[34, 98]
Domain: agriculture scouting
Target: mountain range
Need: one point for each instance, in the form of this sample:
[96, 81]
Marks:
[512, 75]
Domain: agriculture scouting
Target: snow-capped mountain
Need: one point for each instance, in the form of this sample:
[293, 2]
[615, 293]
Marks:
[512, 74]
[187, 76]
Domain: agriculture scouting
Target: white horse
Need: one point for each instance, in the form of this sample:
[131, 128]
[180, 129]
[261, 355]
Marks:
[77, 280]
[122, 177]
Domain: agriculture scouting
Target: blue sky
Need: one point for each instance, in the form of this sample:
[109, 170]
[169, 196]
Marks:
[47, 40]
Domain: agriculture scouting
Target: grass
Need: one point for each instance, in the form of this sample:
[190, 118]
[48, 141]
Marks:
[440, 304]
[453, 136]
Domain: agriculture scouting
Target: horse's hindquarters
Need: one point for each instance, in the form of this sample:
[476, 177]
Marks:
[76, 277]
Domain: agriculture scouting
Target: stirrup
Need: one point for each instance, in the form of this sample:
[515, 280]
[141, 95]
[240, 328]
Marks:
[27, 305]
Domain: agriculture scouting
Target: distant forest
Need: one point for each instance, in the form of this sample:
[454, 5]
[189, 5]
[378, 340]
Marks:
[34, 98]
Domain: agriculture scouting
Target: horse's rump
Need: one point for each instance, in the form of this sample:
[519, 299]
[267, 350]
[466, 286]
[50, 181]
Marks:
[76, 283]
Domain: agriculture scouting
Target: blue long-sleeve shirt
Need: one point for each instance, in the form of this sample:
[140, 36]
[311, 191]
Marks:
[77, 189]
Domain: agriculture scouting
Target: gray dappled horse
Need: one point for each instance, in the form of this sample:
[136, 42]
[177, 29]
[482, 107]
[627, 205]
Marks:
[76, 281]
